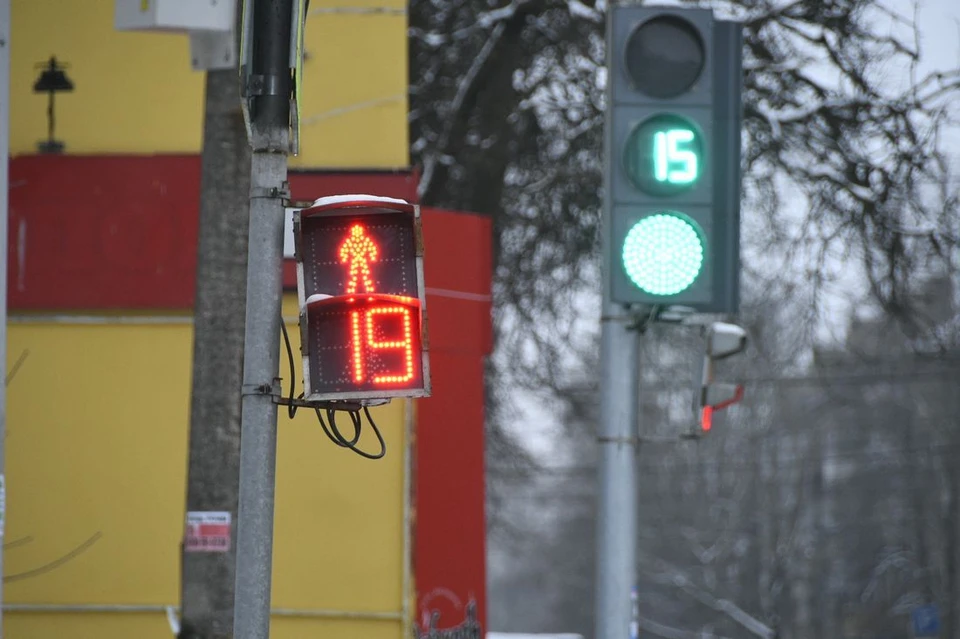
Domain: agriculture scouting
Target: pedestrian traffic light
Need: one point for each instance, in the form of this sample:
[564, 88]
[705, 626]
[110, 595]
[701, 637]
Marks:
[672, 158]
[721, 340]
[362, 302]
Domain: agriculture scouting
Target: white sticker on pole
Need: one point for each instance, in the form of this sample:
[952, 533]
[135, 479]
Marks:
[207, 532]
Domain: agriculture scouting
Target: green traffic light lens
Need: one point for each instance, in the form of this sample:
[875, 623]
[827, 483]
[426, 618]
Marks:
[664, 155]
[663, 254]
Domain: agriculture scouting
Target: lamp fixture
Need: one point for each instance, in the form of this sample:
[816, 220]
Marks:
[52, 80]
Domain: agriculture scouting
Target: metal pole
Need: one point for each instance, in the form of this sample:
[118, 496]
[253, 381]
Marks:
[619, 427]
[4, 191]
[258, 422]
[617, 512]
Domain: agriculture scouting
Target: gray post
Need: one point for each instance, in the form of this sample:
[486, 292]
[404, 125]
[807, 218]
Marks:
[617, 512]
[4, 183]
[619, 426]
[258, 422]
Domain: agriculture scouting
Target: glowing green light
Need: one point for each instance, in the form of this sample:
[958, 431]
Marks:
[663, 155]
[663, 253]
[674, 163]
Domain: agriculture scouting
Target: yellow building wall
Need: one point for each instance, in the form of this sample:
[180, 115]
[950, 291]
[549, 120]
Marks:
[98, 414]
[96, 469]
[136, 93]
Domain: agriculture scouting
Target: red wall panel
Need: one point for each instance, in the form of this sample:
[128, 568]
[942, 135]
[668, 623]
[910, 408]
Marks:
[101, 232]
[111, 232]
[450, 542]
[457, 266]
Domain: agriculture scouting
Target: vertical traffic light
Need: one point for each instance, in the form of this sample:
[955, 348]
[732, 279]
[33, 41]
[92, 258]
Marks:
[673, 158]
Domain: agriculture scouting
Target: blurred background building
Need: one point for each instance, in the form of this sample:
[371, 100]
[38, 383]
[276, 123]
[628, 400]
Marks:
[102, 256]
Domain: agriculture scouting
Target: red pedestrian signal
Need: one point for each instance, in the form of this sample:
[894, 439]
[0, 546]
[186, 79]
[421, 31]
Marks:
[706, 418]
[358, 251]
[721, 341]
[362, 303]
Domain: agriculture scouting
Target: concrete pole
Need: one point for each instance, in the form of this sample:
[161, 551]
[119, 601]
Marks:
[617, 434]
[258, 422]
[207, 578]
[617, 511]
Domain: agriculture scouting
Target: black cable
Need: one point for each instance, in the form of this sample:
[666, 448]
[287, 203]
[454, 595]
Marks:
[357, 424]
[376, 431]
[354, 419]
[291, 408]
[333, 432]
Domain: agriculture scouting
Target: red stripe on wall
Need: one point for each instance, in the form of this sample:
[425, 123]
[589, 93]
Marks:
[120, 232]
[450, 541]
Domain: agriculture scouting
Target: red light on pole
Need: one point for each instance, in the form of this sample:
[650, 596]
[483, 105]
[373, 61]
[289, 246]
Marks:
[362, 301]
[706, 419]
[717, 397]
[722, 340]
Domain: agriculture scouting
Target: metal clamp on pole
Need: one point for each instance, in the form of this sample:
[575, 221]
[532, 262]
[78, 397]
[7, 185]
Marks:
[632, 441]
[271, 193]
[259, 390]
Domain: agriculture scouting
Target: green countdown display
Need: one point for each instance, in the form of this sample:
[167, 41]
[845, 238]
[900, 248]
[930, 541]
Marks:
[663, 155]
[663, 253]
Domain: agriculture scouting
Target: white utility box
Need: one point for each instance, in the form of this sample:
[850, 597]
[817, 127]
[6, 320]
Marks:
[176, 16]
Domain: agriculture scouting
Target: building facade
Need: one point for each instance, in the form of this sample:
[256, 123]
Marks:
[101, 259]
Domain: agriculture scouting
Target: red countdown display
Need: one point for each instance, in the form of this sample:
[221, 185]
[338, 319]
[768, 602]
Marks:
[360, 283]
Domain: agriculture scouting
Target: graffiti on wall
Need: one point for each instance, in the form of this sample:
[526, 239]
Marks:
[469, 628]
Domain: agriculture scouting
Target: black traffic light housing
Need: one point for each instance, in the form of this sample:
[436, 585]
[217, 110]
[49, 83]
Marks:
[362, 299]
[673, 158]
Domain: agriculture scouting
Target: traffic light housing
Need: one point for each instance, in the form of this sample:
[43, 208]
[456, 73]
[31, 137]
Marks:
[721, 340]
[672, 161]
[363, 329]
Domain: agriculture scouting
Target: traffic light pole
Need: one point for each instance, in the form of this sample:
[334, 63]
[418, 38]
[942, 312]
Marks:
[671, 211]
[258, 422]
[617, 436]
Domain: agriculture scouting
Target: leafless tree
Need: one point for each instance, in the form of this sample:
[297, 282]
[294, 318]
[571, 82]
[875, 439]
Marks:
[846, 171]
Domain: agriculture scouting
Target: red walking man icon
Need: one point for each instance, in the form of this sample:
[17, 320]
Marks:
[358, 251]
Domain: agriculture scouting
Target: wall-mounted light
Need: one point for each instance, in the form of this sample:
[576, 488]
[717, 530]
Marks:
[51, 81]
